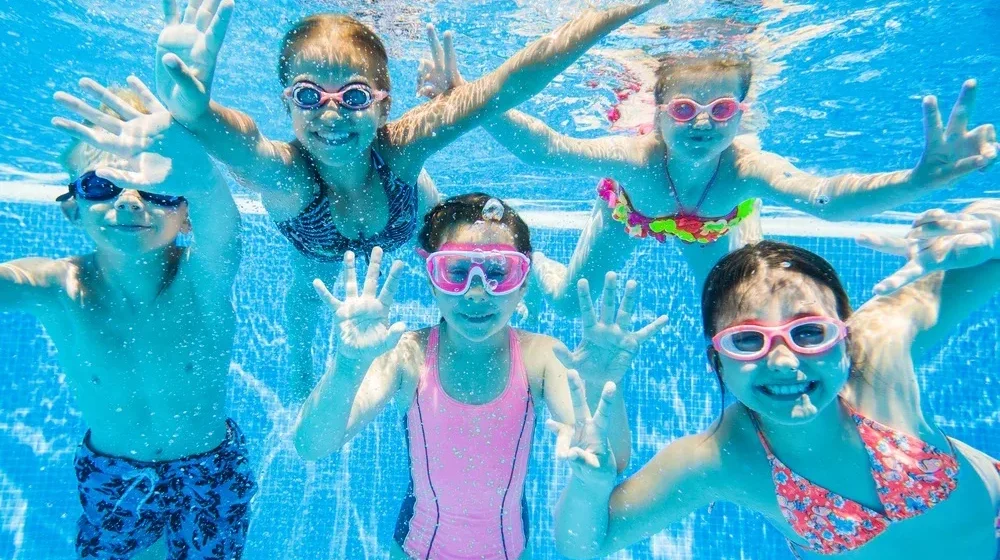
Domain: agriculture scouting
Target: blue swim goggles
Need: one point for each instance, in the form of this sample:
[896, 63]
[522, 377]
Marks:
[91, 187]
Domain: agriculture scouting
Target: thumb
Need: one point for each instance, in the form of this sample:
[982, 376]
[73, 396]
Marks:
[565, 356]
[181, 74]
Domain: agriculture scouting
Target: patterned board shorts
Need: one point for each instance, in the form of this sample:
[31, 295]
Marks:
[199, 505]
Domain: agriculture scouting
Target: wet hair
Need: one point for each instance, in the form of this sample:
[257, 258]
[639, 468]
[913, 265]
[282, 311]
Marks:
[79, 156]
[467, 209]
[709, 63]
[329, 29]
[722, 287]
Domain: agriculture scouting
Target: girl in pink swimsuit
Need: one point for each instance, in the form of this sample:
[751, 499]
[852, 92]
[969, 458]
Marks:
[469, 386]
[828, 440]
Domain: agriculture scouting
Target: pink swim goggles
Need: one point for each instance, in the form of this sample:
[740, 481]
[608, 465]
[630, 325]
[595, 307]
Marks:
[808, 335]
[500, 268]
[683, 109]
[354, 97]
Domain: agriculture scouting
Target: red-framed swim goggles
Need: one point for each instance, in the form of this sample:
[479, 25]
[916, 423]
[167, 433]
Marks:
[807, 335]
[683, 109]
[501, 268]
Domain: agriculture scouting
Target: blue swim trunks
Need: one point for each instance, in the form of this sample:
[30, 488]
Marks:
[199, 505]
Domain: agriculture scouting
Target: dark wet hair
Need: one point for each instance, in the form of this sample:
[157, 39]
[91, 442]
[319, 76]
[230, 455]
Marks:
[722, 291]
[328, 29]
[467, 209]
[708, 63]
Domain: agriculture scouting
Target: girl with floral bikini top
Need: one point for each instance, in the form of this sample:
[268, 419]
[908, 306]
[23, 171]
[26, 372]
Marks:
[827, 438]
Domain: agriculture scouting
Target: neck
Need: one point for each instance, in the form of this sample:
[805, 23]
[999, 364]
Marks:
[691, 172]
[829, 425]
[466, 351]
[136, 279]
[349, 177]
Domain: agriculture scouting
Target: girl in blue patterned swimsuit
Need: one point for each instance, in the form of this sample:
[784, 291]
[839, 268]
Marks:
[347, 180]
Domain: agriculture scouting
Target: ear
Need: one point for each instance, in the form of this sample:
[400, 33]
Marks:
[70, 209]
[384, 106]
[713, 359]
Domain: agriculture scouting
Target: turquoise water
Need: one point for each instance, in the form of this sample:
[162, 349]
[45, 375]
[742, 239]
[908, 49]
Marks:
[841, 87]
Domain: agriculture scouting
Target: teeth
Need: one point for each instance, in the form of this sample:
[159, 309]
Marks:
[795, 389]
[334, 136]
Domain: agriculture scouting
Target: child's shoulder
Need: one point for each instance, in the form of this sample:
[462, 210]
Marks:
[533, 342]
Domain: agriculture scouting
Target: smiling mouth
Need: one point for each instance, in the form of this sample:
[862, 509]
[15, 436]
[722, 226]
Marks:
[334, 138]
[129, 227]
[788, 391]
[478, 318]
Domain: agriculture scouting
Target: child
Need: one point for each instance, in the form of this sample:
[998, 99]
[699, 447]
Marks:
[345, 182]
[468, 386]
[144, 330]
[695, 179]
[827, 439]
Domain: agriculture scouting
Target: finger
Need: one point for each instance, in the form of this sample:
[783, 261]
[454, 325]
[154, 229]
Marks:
[374, 269]
[627, 307]
[564, 437]
[170, 12]
[884, 244]
[965, 166]
[910, 272]
[578, 394]
[933, 129]
[450, 63]
[388, 293]
[395, 332]
[206, 12]
[932, 215]
[124, 178]
[585, 457]
[958, 121]
[326, 296]
[587, 314]
[191, 12]
[216, 34]
[181, 73]
[79, 131]
[350, 275]
[948, 227]
[608, 297]
[104, 95]
[88, 113]
[565, 356]
[437, 53]
[147, 97]
[643, 334]
[986, 135]
[602, 416]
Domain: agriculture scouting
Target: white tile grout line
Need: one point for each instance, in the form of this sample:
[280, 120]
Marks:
[776, 220]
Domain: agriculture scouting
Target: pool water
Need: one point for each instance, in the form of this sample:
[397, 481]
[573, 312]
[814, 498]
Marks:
[839, 90]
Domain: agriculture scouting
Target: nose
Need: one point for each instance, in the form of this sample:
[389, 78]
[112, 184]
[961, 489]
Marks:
[781, 359]
[477, 290]
[330, 113]
[702, 121]
[129, 200]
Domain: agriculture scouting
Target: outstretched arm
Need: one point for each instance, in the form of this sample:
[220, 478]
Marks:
[953, 268]
[593, 517]
[187, 51]
[431, 126]
[950, 153]
[29, 284]
[370, 362]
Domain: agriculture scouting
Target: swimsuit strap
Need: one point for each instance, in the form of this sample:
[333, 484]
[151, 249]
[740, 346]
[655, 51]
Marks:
[704, 192]
[760, 434]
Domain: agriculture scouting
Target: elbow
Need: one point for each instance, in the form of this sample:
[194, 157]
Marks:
[308, 447]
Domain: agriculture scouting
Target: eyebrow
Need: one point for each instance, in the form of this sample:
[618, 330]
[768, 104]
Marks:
[795, 317]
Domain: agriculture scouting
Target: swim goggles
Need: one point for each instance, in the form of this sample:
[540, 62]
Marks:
[808, 335]
[683, 109]
[91, 187]
[500, 268]
[353, 97]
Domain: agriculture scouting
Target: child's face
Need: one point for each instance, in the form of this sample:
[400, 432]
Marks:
[701, 137]
[331, 133]
[477, 315]
[128, 224]
[776, 297]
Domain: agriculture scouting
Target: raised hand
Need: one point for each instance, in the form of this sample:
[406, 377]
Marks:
[186, 54]
[362, 319]
[146, 143]
[607, 347]
[938, 241]
[439, 73]
[953, 151]
[585, 444]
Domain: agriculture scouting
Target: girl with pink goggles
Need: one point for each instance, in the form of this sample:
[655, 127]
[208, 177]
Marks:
[807, 335]
[500, 268]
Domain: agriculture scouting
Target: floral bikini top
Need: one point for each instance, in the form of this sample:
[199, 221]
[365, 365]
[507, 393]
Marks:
[911, 476]
[686, 224]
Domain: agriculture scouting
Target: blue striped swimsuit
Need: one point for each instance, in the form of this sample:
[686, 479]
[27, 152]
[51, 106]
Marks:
[314, 233]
